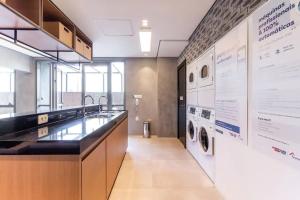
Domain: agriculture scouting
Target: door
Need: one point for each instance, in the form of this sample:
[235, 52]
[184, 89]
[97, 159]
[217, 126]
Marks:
[181, 74]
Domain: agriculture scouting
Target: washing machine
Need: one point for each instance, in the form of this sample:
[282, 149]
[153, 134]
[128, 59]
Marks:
[204, 151]
[191, 129]
[206, 131]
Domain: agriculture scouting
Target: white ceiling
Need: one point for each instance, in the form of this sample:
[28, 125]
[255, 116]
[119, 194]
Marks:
[113, 25]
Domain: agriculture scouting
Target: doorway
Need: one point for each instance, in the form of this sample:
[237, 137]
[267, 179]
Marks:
[181, 99]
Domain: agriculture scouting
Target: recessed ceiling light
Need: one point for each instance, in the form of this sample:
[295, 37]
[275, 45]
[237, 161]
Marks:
[145, 23]
[145, 39]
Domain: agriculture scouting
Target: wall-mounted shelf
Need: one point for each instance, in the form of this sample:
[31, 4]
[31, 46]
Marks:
[24, 22]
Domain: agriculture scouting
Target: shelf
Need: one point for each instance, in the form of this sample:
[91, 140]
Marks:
[22, 29]
[12, 19]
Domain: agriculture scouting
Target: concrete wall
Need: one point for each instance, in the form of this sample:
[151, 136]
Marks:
[167, 96]
[141, 78]
[155, 79]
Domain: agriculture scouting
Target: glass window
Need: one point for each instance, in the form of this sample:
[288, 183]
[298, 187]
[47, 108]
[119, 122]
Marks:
[95, 83]
[117, 84]
[68, 86]
[7, 90]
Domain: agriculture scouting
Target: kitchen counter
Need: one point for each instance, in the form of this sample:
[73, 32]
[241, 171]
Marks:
[66, 137]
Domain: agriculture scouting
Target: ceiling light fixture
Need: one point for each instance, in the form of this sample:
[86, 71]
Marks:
[145, 37]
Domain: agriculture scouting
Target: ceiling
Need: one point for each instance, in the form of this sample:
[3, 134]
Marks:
[113, 25]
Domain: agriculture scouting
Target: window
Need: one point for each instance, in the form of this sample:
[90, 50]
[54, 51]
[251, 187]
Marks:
[117, 85]
[7, 90]
[68, 86]
[96, 83]
[105, 79]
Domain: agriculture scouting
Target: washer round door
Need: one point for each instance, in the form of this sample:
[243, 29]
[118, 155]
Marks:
[204, 139]
[191, 130]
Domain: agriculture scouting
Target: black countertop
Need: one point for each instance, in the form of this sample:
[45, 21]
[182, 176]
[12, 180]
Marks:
[65, 137]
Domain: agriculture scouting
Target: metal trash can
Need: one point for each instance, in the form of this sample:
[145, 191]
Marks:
[147, 129]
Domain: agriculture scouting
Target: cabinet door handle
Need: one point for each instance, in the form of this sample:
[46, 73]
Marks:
[67, 30]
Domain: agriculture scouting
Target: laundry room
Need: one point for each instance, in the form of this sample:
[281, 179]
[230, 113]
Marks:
[149, 100]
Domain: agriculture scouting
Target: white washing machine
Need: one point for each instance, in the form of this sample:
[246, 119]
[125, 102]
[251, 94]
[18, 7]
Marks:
[203, 149]
[191, 130]
[206, 131]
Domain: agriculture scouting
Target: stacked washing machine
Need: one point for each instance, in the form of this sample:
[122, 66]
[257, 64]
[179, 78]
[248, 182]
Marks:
[200, 112]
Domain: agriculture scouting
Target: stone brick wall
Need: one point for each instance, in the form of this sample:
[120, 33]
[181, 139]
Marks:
[221, 18]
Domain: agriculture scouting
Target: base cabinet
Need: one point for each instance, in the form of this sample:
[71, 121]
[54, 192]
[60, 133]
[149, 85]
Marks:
[94, 174]
[65, 177]
[116, 145]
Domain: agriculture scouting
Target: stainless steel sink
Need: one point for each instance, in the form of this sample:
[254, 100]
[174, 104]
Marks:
[101, 115]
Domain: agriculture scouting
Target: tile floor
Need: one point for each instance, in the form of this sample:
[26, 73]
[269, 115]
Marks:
[161, 169]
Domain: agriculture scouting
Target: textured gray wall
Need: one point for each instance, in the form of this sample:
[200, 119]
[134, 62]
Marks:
[155, 79]
[167, 96]
[221, 18]
[141, 78]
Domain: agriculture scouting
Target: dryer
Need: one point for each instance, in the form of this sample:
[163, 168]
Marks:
[191, 76]
[192, 128]
[205, 79]
[205, 69]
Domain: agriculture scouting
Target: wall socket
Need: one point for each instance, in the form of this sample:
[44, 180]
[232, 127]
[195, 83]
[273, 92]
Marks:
[42, 119]
[43, 132]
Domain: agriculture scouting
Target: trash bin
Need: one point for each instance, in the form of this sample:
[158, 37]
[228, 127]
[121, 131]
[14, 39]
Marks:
[146, 129]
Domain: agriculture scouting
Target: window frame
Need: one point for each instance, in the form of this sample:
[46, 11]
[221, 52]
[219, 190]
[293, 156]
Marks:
[12, 104]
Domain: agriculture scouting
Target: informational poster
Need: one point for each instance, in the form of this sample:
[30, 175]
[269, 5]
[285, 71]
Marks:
[276, 79]
[231, 84]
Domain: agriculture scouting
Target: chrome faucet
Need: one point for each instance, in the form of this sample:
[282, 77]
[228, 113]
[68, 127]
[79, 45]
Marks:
[84, 101]
[100, 104]
[86, 96]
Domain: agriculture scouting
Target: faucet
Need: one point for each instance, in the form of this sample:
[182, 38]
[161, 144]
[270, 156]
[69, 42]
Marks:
[86, 96]
[100, 104]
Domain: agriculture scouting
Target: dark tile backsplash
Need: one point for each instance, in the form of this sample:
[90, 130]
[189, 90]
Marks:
[221, 18]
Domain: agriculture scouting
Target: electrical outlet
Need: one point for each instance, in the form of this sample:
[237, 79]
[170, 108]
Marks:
[42, 132]
[42, 119]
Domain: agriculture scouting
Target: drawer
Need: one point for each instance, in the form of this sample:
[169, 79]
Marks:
[79, 46]
[87, 51]
[60, 31]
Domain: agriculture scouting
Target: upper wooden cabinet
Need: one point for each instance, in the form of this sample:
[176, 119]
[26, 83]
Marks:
[41, 25]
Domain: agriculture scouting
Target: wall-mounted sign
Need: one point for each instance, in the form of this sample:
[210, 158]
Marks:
[231, 84]
[276, 79]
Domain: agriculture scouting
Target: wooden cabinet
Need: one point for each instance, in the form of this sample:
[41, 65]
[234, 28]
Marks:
[87, 51]
[116, 145]
[79, 45]
[89, 176]
[60, 31]
[39, 177]
[94, 174]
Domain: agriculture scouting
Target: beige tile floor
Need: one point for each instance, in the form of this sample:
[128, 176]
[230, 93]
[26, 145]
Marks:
[161, 169]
